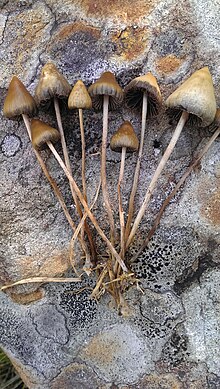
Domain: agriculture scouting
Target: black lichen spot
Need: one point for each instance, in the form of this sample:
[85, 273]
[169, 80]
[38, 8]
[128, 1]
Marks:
[175, 350]
[156, 144]
[155, 265]
[10, 145]
[80, 308]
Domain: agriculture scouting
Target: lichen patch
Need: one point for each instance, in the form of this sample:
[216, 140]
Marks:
[168, 64]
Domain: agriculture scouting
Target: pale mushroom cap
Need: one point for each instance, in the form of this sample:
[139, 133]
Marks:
[134, 94]
[124, 137]
[196, 96]
[41, 133]
[79, 97]
[106, 85]
[51, 84]
[18, 100]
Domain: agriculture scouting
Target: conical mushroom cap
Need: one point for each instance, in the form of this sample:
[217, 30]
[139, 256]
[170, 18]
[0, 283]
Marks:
[106, 85]
[51, 84]
[196, 96]
[124, 137]
[79, 97]
[18, 100]
[134, 94]
[41, 133]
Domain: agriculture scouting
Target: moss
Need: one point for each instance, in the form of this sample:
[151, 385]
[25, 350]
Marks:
[9, 379]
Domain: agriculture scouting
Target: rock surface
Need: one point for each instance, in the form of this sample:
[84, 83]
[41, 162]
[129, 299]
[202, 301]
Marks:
[56, 337]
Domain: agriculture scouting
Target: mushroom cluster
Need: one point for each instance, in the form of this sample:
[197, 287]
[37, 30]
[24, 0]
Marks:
[193, 101]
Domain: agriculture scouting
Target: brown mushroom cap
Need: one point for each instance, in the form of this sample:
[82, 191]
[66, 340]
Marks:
[134, 94]
[124, 137]
[106, 85]
[79, 97]
[51, 84]
[18, 100]
[41, 133]
[196, 96]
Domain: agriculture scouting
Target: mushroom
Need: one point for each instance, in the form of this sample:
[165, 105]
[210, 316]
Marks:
[106, 93]
[20, 102]
[194, 100]
[124, 139]
[79, 99]
[142, 94]
[41, 135]
[44, 136]
[53, 85]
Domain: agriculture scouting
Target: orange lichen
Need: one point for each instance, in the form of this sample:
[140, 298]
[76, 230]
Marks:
[51, 266]
[30, 33]
[210, 209]
[126, 11]
[101, 350]
[130, 43]
[165, 381]
[72, 28]
[168, 64]
[27, 298]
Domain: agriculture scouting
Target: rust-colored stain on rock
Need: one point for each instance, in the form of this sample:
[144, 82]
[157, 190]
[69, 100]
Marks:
[130, 43]
[72, 28]
[168, 64]
[210, 209]
[126, 11]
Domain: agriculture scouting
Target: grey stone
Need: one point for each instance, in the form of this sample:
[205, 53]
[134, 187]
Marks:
[202, 322]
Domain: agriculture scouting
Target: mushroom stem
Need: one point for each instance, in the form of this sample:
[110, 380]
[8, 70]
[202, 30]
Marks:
[103, 169]
[174, 191]
[67, 162]
[121, 212]
[87, 265]
[49, 178]
[137, 169]
[87, 210]
[156, 175]
[65, 151]
[55, 187]
[83, 153]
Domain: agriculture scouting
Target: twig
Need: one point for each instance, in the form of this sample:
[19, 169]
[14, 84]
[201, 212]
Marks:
[40, 279]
